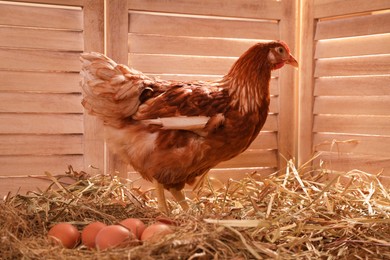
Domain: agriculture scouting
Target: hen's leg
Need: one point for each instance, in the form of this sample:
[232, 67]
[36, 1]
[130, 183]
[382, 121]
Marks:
[161, 201]
[180, 198]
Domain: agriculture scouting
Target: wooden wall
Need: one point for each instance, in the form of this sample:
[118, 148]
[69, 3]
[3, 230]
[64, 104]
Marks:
[340, 109]
[42, 124]
[345, 85]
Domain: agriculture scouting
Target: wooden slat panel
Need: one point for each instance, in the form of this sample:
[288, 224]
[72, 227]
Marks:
[347, 162]
[375, 145]
[41, 144]
[265, 140]
[252, 158]
[353, 86]
[366, 65]
[177, 64]
[41, 124]
[40, 103]
[369, 105]
[356, 26]
[37, 165]
[354, 46]
[185, 26]
[43, 17]
[326, 8]
[11, 59]
[158, 44]
[371, 125]
[41, 39]
[235, 8]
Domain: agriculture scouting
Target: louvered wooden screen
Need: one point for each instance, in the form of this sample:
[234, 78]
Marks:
[186, 40]
[348, 85]
[41, 118]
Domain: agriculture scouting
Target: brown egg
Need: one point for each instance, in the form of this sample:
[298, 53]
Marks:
[113, 236]
[155, 232]
[90, 232]
[65, 233]
[134, 225]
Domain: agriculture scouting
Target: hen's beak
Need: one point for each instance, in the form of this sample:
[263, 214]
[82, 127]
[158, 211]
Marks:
[292, 61]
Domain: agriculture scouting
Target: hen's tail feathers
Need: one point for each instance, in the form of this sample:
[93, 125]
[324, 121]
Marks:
[111, 91]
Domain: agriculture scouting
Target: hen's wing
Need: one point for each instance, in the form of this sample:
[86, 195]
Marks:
[184, 106]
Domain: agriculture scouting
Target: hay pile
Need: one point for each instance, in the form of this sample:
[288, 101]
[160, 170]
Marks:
[294, 214]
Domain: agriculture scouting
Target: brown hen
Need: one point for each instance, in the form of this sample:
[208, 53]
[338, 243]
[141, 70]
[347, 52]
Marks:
[171, 131]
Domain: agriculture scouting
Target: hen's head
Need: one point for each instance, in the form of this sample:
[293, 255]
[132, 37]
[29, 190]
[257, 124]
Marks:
[279, 54]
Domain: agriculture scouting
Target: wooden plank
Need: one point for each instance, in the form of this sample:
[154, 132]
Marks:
[47, 82]
[252, 158]
[16, 37]
[235, 8]
[327, 8]
[353, 46]
[287, 130]
[117, 17]
[94, 146]
[353, 86]
[357, 144]
[355, 26]
[274, 106]
[265, 140]
[54, 2]
[356, 124]
[305, 75]
[223, 175]
[202, 27]
[34, 60]
[41, 144]
[117, 22]
[40, 103]
[271, 124]
[348, 162]
[41, 124]
[37, 165]
[365, 65]
[158, 63]
[352, 105]
[183, 45]
[41, 16]
[22, 185]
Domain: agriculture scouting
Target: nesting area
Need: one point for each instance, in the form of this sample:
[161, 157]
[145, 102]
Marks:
[292, 214]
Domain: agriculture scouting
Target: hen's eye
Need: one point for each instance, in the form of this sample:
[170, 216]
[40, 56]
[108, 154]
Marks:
[280, 50]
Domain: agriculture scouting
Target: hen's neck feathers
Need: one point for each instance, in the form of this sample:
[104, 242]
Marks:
[248, 81]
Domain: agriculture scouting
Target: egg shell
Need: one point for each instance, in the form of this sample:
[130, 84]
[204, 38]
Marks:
[89, 233]
[155, 232]
[113, 236]
[65, 233]
[134, 225]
